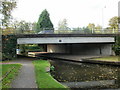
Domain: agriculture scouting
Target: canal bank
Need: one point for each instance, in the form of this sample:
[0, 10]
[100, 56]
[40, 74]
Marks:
[80, 59]
[86, 75]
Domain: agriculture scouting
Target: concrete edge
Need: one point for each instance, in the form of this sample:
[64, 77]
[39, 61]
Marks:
[104, 62]
[85, 60]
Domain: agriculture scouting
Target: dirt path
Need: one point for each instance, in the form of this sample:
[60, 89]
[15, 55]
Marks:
[26, 76]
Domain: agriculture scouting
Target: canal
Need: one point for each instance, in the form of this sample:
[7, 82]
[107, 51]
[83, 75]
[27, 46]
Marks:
[86, 76]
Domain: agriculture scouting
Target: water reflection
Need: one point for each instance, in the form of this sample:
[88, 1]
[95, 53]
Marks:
[86, 75]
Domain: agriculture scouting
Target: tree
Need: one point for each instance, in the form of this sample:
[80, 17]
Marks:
[98, 27]
[91, 26]
[113, 22]
[62, 25]
[8, 41]
[78, 28]
[23, 26]
[6, 7]
[44, 22]
[34, 25]
[86, 30]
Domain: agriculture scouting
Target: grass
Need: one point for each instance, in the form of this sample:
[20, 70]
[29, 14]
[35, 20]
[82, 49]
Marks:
[5, 68]
[109, 58]
[44, 79]
[6, 61]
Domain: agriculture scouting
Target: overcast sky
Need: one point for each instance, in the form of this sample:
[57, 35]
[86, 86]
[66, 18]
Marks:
[77, 12]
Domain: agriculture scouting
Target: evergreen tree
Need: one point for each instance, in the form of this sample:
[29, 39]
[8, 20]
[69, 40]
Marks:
[44, 22]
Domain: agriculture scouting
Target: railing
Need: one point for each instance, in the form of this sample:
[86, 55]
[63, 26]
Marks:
[87, 32]
[95, 31]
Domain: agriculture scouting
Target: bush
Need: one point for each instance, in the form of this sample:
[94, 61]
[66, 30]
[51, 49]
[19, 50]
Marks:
[24, 49]
[117, 50]
[9, 43]
[33, 47]
[116, 46]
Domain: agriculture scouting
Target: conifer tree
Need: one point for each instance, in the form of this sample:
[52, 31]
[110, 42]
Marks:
[44, 22]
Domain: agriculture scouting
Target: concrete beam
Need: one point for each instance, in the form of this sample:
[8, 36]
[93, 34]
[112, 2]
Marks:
[62, 40]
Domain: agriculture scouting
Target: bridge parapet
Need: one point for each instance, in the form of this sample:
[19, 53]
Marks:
[95, 31]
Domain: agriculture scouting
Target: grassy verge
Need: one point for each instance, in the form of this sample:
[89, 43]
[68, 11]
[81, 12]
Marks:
[6, 61]
[109, 58]
[14, 68]
[44, 79]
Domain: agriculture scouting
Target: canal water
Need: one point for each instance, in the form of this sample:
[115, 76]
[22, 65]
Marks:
[86, 76]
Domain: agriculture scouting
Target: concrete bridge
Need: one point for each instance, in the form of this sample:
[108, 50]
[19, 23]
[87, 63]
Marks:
[83, 44]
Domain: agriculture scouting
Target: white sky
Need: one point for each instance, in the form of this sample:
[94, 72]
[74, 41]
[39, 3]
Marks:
[77, 12]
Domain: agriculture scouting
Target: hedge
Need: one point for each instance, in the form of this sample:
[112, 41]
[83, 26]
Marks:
[9, 43]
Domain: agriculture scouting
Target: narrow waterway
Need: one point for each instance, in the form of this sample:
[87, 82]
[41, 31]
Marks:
[90, 76]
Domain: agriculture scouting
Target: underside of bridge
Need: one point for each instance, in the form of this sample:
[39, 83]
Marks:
[81, 49]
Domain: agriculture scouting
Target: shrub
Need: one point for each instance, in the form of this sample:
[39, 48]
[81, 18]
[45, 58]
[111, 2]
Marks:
[9, 43]
[116, 46]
